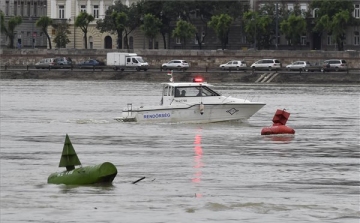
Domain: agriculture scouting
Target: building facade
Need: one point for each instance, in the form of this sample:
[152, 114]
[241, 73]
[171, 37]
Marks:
[65, 11]
[27, 34]
[68, 10]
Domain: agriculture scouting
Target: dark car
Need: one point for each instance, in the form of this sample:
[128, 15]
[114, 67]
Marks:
[92, 63]
[63, 62]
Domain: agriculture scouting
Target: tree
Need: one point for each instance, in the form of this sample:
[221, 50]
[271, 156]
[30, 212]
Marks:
[61, 35]
[83, 20]
[221, 25]
[43, 23]
[119, 18]
[108, 25]
[151, 26]
[9, 29]
[259, 29]
[293, 28]
[334, 17]
[183, 30]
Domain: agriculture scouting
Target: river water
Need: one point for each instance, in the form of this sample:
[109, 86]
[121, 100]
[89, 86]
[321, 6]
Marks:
[222, 172]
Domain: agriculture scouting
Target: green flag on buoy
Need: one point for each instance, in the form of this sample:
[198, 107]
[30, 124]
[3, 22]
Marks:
[69, 158]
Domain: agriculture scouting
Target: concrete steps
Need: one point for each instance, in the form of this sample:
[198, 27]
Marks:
[266, 77]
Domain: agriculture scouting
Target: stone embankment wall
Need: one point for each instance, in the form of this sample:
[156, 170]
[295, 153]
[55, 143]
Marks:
[197, 58]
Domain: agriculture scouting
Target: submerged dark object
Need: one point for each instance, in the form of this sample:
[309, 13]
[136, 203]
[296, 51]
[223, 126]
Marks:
[279, 124]
[102, 173]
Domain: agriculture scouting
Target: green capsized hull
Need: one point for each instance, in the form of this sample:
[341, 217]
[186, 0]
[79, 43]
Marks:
[102, 173]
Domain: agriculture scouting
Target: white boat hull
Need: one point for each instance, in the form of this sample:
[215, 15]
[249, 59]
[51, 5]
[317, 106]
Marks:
[191, 113]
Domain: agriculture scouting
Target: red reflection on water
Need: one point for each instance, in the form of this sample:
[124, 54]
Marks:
[197, 158]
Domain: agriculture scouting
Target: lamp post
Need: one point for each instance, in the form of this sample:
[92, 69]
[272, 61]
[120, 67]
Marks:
[74, 29]
[253, 19]
[142, 20]
[32, 32]
[277, 26]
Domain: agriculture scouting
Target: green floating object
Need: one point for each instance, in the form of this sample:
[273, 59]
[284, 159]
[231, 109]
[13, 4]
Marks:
[102, 173]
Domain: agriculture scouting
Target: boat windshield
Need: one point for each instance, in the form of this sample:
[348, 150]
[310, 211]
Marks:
[194, 91]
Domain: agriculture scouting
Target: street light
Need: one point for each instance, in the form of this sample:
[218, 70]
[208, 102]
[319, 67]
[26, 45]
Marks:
[32, 31]
[74, 29]
[277, 26]
[253, 19]
[142, 20]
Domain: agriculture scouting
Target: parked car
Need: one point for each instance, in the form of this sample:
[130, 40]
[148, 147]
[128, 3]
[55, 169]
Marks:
[299, 65]
[92, 63]
[266, 64]
[63, 62]
[233, 65]
[334, 65]
[45, 63]
[176, 64]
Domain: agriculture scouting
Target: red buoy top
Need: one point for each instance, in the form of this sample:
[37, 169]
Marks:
[280, 117]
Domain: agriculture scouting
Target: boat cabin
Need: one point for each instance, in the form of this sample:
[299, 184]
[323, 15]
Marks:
[173, 91]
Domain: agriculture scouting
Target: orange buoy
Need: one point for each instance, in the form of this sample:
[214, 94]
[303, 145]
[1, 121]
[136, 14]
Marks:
[279, 120]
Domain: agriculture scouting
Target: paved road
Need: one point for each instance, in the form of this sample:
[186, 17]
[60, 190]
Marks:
[153, 70]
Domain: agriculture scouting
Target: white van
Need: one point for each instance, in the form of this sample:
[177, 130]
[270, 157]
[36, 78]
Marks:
[126, 60]
[266, 64]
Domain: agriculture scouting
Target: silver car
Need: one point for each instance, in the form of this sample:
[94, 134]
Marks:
[266, 64]
[299, 65]
[176, 64]
[233, 65]
[46, 63]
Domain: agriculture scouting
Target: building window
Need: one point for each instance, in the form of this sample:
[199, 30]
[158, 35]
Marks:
[61, 11]
[177, 41]
[15, 8]
[22, 9]
[290, 7]
[303, 40]
[96, 11]
[315, 13]
[28, 9]
[7, 8]
[151, 43]
[357, 11]
[329, 40]
[82, 8]
[35, 9]
[356, 38]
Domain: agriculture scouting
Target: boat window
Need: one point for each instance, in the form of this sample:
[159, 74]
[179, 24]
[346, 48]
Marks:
[166, 90]
[177, 92]
[195, 91]
[171, 91]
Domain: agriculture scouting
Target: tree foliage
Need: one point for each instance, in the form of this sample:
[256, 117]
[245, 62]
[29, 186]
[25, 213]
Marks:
[221, 25]
[334, 18]
[293, 28]
[183, 30]
[121, 19]
[61, 35]
[151, 26]
[259, 29]
[9, 28]
[83, 20]
[43, 23]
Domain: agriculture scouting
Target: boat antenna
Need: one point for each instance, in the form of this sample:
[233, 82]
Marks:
[170, 73]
